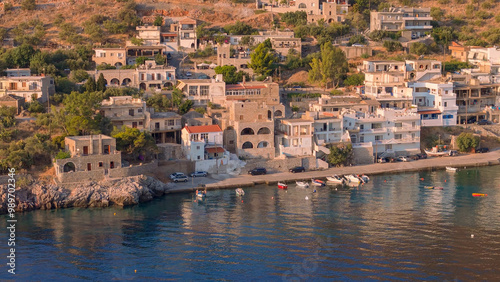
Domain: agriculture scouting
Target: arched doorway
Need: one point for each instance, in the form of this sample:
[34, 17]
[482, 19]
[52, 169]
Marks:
[278, 113]
[118, 65]
[168, 84]
[115, 82]
[247, 145]
[302, 6]
[126, 82]
[69, 166]
[192, 45]
[142, 86]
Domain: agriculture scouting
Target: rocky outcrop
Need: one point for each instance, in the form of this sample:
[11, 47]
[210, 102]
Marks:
[123, 192]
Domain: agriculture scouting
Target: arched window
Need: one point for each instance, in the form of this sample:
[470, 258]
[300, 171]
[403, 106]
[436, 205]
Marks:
[247, 131]
[247, 145]
[263, 144]
[302, 6]
[278, 113]
[269, 114]
[115, 81]
[264, 130]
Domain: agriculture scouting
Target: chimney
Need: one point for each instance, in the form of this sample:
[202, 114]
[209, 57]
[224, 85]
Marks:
[91, 147]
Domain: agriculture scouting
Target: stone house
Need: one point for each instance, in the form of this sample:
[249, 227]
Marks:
[193, 118]
[165, 127]
[12, 101]
[331, 11]
[92, 156]
[28, 87]
[283, 45]
[416, 20]
[240, 57]
[112, 56]
[255, 91]
[203, 91]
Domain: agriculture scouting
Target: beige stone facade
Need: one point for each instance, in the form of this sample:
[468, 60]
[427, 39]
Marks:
[283, 45]
[12, 101]
[240, 59]
[416, 20]
[112, 56]
[352, 52]
[28, 87]
[203, 91]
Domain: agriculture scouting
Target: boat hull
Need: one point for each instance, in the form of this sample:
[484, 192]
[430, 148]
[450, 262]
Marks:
[282, 186]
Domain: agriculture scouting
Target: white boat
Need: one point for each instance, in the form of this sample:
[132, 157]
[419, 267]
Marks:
[336, 179]
[317, 182]
[451, 169]
[435, 153]
[354, 179]
[302, 184]
[240, 192]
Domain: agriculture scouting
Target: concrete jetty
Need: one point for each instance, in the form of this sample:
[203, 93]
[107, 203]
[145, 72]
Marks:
[434, 163]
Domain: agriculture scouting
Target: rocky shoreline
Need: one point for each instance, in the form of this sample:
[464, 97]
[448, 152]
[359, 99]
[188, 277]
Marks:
[122, 192]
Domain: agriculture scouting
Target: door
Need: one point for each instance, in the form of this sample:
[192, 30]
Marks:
[89, 166]
[85, 150]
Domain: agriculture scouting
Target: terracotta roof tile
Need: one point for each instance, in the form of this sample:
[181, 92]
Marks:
[203, 128]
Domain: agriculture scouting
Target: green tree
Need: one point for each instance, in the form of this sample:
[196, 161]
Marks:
[200, 110]
[21, 56]
[134, 142]
[63, 155]
[3, 32]
[128, 16]
[355, 79]
[140, 60]
[230, 75]
[262, 60]
[158, 21]
[185, 106]
[294, 18]
[419, 48]
[28, 5]
[177, 97]
[160, 59]
[159, 102]
[90, 85]
[101, 83]
[466, 142]
[78, 76]
[332, 67]
[35, 107]
[340, 155]
[391, 45]
[239, 28]
[137, 41]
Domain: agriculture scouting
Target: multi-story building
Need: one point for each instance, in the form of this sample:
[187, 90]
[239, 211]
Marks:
[93, 154]
[416, 20]
[165, 127]
[149, 34]
[486, 60]
[239, 57]
[283, 45]
[336, 104]
[294, 136]
[186, 28]
[194, 118]
[382, 76]
[254, 91]
[148, 76]
[436, 102]
[203, 91]
[459, 51]
[329, 11]
[18, 72]
[422, 70]
[202, 142]
[327, 127]
[28, 87]
[473, 99]
[112, 56]
[388, 131]
[261, 37]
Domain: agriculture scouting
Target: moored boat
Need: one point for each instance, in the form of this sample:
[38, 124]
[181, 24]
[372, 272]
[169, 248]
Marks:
[302, 184]
[365, 178]
[240, 192]
[282, 185]
[317, 182]
[353, 178]
[479, 195]
[451, 169]
[434, 187]
[336, 179]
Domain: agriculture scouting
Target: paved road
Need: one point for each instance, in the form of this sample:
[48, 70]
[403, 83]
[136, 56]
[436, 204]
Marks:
[470, 160]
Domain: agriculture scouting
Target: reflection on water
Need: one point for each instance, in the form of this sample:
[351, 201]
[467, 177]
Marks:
[390, 228]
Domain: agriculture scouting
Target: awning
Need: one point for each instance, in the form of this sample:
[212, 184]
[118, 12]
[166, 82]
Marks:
[212, 65]
[215, 150]
[203, 65]
[428, 112]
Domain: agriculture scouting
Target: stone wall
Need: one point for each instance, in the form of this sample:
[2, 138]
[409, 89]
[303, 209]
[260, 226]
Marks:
[81, 176]
[133, 170]
[363, 155]
[283, 164]
[169, 167]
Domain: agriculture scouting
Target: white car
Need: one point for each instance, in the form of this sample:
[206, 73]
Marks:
[188, 74]
[176, 175]
[404, 159]
[199, 174]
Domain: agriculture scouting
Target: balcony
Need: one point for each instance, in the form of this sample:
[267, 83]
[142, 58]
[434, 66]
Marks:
[374, 130]
[418, 27]
[418, 18]
[406, 128]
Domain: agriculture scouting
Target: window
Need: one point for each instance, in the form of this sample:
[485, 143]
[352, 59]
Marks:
[241, 117]
[131, 112]
[85, 150]
[100, 164]
[295, 142]
[106, 150]
[199, 158]
[194, 137]
[134, 124]
[193, 90]
[398, 136]
[171, 122]
[139, 110]
[140, 123]
[197, 147]
[89, 166]
[204, 90]
[24, 83]
[378, 137]
[111, 164]
[398, 124]
[204, 136]
[446, 104]
[231, 142]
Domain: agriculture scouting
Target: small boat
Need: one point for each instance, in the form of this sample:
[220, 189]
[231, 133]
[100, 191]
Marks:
[451, 169]
[365, 178]
[282, 185]
[434, 153]
[354, 179]
[201, 194]
[240, 192]
[317, 182]
[302, 184]
[434, 187]
[336, 179]
[479, 195]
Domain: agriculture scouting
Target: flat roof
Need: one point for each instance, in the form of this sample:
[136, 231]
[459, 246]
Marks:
[242, 86]
[87, 137]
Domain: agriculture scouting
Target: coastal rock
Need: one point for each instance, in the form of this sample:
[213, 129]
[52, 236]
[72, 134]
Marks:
[122, 192]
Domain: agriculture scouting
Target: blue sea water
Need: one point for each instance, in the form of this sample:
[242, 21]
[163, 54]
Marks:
[392, 228]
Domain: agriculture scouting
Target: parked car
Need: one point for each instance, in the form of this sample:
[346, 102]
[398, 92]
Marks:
[188, 74]
[422, 156]
[453, 153]
[482, 150]
[176, 174]
[414, 157]
[381, 160]
[169, 56]
[403, 159]
[181, 178]
[297, 169]
[199, 174]
[484, 122]
[257, 171]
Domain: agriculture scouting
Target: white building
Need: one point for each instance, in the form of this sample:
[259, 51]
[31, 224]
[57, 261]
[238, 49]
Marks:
[294, 137]
[389, 131]
[196, 141]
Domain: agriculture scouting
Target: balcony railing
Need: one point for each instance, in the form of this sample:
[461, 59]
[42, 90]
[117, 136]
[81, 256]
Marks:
[373, 130]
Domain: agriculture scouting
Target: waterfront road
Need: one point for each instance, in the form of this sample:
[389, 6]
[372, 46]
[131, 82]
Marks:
[245, 180]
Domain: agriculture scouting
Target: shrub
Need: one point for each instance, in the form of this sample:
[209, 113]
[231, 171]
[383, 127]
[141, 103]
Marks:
[63, 155]
[355, 79]
[28, 5]
[483, 15]
[437, 13]
[460, 1]
[419, 48]
[392, 45]
[466, 142]
[294, 18]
